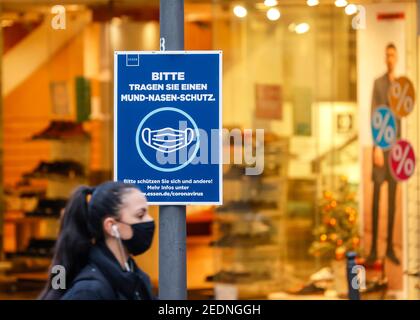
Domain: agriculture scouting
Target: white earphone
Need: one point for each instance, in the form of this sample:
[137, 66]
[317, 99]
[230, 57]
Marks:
[115, 231]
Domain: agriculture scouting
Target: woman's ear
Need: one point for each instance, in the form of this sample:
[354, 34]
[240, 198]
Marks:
[108, 227]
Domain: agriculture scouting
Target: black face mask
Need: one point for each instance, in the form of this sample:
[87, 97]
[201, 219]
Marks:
[142, 237]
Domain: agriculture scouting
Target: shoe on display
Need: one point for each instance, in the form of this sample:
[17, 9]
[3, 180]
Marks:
[18, 200]
[12, 202]
[325, 274]
[250, 225]
[61, 129]
[42, 168]
[413, 273]
[390, 254]
[38, 248]
[308, 289]
[234, 172]
[271, 171]
[243, 240]
[268, 187]
[236, 206]
[266, 205]
[375, 286]
[72, 130]
[49, 132]
[374, 290]
[372, 258]
[259, 227]
[48, 208]
[228, 276]
[65, 168]
[29, 203]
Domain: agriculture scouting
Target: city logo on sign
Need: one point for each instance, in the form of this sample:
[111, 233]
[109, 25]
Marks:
[132, 60]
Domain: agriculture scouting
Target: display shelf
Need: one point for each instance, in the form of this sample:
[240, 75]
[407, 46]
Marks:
[32, 276]
[245, 281]
[198, 240]
[20, 216]
[58, 178]
[232, 216]
[25, 219]
[199, 222]
[264, 252]
[252, 290]
[247, 247]
[202, 216]
[70, 155]
[62, 139]
[252, 263]
[248, 234]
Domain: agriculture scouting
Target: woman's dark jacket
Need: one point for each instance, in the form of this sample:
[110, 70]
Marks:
[104, 279]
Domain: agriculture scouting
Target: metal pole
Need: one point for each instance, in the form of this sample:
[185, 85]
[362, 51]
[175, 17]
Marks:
[354, 293]
[172, 219]
[2, 206]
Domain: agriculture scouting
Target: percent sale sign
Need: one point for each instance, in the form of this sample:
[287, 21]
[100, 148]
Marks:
[384, 127]
[401, 96]
[402, 160]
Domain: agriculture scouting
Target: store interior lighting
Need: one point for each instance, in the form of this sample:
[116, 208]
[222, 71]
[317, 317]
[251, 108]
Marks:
[273, 14]
[350, 9]
[340, 3]
[240, 11]
[270, 3]
[312, 3]
[302, 28]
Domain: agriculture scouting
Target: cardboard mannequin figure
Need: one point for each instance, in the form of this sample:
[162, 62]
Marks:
[380, 168]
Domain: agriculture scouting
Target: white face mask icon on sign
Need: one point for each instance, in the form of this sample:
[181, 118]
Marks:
[167, 140]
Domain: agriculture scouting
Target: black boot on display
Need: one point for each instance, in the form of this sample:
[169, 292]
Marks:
[371, 259]
[392, 191]
[390, 254]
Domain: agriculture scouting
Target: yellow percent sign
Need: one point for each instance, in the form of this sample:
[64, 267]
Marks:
[401, 96]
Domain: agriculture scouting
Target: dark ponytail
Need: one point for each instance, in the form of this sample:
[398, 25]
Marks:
[81, 227]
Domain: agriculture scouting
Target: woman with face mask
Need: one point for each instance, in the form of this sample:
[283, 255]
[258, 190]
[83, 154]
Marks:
[101, 229]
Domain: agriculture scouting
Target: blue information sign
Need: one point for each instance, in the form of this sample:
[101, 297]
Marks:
[167, 125]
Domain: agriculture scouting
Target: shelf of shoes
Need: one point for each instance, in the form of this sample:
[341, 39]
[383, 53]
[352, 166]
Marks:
[247, 233]
[69, 161]
[35, 219]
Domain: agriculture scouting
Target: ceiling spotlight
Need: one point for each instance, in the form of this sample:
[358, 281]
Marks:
[340, 3]
[312, 3]
[302, 28]
[270, 3]
[273, 14]
[350, 9]
[240, 11]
